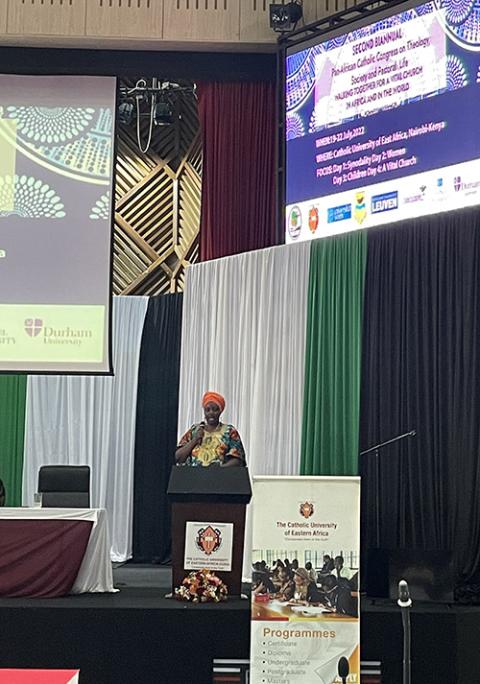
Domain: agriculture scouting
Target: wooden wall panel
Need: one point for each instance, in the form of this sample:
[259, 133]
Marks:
[202, 20]
[46, 17]
[3, 17]
[129, 18]
[327, 7]
[255, 20]
[157, 205]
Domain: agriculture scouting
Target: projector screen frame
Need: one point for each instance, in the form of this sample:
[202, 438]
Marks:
[109, 372]
[363, 14]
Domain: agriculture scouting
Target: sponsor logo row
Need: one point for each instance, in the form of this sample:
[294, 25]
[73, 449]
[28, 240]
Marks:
[359, 208]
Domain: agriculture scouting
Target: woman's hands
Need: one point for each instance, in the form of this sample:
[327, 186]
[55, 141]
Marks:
[199, 434]
[183, 452]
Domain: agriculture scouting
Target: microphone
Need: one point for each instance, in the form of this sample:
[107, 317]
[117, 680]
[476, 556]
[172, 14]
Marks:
[404, 600]
[343, 669]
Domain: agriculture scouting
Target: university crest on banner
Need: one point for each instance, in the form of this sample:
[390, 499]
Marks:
[209, 540]
[307, 509]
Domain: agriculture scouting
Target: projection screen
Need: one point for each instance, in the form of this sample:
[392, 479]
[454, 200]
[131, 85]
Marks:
[56, 174]
[382, 120]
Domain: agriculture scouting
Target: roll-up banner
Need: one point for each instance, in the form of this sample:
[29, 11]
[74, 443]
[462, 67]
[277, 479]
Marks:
[305, 602]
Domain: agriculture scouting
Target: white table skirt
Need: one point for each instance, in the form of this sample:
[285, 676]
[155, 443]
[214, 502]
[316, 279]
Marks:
[95, 573]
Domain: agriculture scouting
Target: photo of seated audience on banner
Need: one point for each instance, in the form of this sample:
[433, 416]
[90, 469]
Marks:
[304, 584]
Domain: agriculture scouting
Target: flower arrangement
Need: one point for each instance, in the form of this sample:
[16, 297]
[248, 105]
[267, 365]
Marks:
[202, 586]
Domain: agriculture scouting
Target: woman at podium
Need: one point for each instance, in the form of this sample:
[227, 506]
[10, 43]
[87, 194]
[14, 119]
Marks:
[211, 442]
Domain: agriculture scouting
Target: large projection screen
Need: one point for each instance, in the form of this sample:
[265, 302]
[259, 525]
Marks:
[56, 174]
[382, 120]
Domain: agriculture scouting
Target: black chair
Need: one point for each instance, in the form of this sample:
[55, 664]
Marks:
[64, 486]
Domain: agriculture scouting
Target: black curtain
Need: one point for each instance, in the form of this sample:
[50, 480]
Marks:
[156, 428]
[421, 370]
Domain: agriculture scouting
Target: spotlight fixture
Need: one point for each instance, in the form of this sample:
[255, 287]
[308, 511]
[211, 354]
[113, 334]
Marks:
[156, 101]
[284, 17]
[163, 114]
[125, 111]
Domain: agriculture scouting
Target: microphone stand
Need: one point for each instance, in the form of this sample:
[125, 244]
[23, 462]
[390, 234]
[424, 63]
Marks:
[405, 603]
[375, 449]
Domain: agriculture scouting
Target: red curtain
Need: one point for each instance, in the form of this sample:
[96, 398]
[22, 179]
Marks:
[238, 123]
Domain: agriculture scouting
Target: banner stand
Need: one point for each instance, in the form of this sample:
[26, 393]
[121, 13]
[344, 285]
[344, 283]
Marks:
[305, 602]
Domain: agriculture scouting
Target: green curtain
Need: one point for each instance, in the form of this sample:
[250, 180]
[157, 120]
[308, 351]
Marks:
[13, 390]
[331, 408]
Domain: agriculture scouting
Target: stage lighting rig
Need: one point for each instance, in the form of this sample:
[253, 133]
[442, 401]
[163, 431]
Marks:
[159, 100]
[285, 16]
[125, 111]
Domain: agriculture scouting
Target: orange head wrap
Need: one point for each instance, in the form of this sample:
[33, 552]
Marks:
[215, 398]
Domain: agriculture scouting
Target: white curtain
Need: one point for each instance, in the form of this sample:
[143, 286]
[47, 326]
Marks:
[90, 420]
[243, 335]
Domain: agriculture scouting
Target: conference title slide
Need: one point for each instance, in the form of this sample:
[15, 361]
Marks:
[393, 100]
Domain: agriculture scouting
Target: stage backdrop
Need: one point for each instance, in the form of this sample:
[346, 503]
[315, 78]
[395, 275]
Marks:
[91, 421]
[245, 333]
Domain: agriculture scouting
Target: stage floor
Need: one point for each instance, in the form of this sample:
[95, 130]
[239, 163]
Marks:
[137, 635]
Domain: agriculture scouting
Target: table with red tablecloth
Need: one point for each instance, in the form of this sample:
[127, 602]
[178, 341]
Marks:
[54, 551]
[39, 676]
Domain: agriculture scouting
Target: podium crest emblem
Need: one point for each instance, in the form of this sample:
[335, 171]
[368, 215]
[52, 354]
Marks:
[209, 540]
[306, 509]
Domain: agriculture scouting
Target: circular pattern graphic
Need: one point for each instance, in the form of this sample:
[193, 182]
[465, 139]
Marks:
[300, 83]
[50, 125]
[461, 20]
[101, 208]
[296, 61]
[314, 126]
[457, 76]
[335, 42]
[294, 126]
[456, 11]
[73, 141]
[29, 197]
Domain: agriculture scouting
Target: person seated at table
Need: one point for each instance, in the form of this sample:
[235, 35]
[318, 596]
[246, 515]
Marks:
[285, 585]
[3, 494]
[328, 565]
[311, 571]
[342, 574]
[294, 565]
[353, 582]
[264, 567]
[305, 591]
[276, 569]
[261, 583]
[211, 442]
[337, 597]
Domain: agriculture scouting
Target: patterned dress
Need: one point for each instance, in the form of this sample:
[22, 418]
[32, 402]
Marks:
[218, 446]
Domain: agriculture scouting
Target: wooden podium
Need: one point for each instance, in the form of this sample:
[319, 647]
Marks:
[209, 495]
